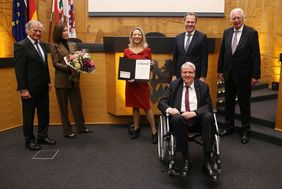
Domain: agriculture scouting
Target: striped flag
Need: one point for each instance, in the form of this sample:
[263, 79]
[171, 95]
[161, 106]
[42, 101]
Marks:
[57, 9]
[64, 13]
[68, 12]
[19, 19]
[32, 13]
[71, 21]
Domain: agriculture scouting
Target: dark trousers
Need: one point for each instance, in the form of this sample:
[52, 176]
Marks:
[40, 103]
[73, 95]
[243, 91]
[203, 124]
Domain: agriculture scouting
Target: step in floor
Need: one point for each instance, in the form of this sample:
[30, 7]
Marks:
[262, 110]
[259, 132]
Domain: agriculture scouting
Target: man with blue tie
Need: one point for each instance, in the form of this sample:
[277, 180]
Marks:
[33, 83]
[239, 67]
[191, 46]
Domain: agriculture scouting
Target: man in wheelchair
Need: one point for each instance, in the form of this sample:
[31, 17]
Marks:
[188, 103]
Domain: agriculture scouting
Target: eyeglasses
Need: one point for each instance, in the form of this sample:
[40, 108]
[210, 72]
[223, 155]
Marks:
[237, 18]
[188, 73]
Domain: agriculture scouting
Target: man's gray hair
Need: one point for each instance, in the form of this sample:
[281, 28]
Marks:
[241, 11]
[31, 23]
[188, 64]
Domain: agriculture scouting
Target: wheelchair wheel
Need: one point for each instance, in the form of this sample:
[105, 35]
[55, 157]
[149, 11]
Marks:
[162, 141]
[216, 155]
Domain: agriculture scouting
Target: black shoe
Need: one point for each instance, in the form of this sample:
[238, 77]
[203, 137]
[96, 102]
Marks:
[155, 138]
[72, 136]
[172, 170]
[130, 128]
[135, 134]
[85, 131]
[32, 146]
[245, 137]
[226, 132]
[187, 168]
[208, 168]
[45, 140]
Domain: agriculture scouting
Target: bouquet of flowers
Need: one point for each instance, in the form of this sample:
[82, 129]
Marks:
[80, 61]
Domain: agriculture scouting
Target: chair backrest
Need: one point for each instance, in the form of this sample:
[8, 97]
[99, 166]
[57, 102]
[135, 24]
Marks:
[75, 40]
[154, 34]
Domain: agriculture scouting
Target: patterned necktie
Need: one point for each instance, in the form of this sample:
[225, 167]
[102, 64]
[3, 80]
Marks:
[38, 50]
[234, 42]
[188, 42]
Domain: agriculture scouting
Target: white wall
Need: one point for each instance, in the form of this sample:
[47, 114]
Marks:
[154, 7]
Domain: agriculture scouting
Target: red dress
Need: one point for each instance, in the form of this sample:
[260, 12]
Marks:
[137, 94]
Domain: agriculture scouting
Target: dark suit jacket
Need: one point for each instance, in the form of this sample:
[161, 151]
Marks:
[197, 53]
[62, 71]
[244, 64]
[173, 95]
[31, 72]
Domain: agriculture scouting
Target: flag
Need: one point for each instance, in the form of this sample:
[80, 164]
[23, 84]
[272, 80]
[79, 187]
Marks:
[19, 19]
[71, 21]
[63, 11]
[32, 13]
[58, 11]
[68, 17]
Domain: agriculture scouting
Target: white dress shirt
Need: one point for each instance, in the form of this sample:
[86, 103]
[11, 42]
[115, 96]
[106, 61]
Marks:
[192, 98]
[186, 37]
[239, 34]
[41, 50]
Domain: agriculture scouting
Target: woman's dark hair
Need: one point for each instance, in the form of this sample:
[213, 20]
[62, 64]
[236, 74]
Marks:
[57, 32]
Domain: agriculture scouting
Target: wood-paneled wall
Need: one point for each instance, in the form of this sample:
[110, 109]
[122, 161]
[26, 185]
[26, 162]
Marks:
[278, 123]
[10, 113]
[6, 28]
[93, 91]
[263, 15]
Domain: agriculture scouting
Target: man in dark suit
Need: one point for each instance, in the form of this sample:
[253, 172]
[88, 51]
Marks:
[191, 46]
[33, 82]
[187, 100]
[239, 67]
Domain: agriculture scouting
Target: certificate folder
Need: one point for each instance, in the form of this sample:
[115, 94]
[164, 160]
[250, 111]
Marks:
[138, 70]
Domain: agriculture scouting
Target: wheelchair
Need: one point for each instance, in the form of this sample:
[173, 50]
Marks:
[166, 143]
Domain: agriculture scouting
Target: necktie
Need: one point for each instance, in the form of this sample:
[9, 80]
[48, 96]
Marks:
[234, 42]
[38, 50]
[188, 42]
[187, 105]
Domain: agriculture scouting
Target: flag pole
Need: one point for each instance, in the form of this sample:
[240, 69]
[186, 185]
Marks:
[50, 22]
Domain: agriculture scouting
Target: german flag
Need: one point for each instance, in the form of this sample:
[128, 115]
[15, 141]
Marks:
[32, 13]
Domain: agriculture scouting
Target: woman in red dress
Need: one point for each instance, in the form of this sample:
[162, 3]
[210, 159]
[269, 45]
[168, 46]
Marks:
[137, 94]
